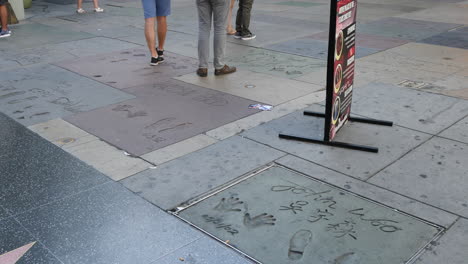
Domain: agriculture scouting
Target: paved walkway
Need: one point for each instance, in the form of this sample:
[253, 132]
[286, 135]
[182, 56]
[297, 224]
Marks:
[105, 159]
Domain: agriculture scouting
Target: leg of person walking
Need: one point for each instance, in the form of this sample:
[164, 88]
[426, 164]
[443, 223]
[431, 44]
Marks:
[163, 9]
[79, 7]
[150, 39]
[162, 31]
[204, 27]
[239, 20]
[220, 11]
[97, 9]
[5, 32]
[245, 17]
[149, 8]
[229, 29]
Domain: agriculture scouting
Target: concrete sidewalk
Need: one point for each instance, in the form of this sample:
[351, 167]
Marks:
[138, 148]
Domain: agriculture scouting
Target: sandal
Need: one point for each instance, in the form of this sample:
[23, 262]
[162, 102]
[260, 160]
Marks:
[80, 11]
[98, 10]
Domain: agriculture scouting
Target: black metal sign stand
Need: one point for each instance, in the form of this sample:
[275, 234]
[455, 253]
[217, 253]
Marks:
[337, 143]
[329, 98]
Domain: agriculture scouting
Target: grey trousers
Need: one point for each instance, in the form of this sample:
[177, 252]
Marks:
[218, 10]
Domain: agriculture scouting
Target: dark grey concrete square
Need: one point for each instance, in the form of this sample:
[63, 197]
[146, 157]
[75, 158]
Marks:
[177, 181]
[438, 169]
[107, 224]
[393, 142]
[205, 250]
[130, 68]
[279, 216]
[36, 94]
[35, 172]
[407, 29]
[427, 112]
[313, 48]
[14, 236]
[457, 38]
[33, 35]
[161, 115]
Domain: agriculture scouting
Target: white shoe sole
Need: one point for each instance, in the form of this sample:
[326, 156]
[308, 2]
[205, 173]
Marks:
[249, 38]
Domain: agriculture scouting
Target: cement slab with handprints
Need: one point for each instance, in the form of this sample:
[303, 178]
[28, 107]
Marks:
[279, 216]
[161, 115]
[274, 63]
[129, 68]
[41, 93]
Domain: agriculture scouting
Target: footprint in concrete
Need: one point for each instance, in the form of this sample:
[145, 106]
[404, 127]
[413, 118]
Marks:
[347, 258]
[298, 243]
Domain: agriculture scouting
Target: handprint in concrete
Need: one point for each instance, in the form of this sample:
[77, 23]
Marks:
[259, 220]
[229, 205]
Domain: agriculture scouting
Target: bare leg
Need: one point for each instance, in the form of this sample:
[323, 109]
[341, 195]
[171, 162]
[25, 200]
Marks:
[150, 35]
[96, 3]
[162, 30]
[4, 17]
[79, 4]
[229, 27]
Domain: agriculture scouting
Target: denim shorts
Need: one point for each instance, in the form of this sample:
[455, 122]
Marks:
[156, 8]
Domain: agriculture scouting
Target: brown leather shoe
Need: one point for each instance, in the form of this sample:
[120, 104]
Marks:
[202, 72]
[225, 70]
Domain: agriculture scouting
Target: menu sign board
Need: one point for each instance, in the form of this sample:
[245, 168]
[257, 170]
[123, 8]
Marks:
[340, 72]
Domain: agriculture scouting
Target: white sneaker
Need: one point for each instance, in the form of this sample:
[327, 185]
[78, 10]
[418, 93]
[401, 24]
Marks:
[98, 10]
[80, 11]
[5, 33]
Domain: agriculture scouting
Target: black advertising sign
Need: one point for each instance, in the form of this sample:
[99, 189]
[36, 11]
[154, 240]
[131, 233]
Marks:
[340, 79]
[340, 66]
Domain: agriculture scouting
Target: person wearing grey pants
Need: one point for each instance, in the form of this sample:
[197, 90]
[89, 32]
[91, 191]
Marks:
[216, 10]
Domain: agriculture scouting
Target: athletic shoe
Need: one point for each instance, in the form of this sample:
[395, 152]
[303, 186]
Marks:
[154, 61]
[248, 36]
[160, 55]
[237, 35]
[5, 33]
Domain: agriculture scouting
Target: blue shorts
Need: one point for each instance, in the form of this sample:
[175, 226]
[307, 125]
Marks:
[156, 8]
